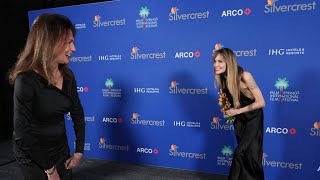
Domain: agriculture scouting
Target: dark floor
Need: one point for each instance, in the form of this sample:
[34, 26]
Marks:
[93, 169]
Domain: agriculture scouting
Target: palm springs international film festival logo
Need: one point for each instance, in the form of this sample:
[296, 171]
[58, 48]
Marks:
[217, 124]
[110, 91]
[175, 16]
[103, 145]
[315, 130]
[273, 7]
[238, 53]
[280, 164]
[135, 120]
[146, 56]
[174, 89]
[173, 151]
[226, 158]
[146, 22]
[97, 22]
[282, 94]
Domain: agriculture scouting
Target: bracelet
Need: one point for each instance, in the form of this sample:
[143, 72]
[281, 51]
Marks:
[50, 171]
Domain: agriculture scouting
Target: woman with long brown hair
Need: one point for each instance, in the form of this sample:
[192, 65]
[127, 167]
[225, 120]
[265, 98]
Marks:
[44, 91]
[246, 102]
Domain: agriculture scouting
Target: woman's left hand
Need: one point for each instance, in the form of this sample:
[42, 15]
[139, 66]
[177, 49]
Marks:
[73, 161]
[231, 112]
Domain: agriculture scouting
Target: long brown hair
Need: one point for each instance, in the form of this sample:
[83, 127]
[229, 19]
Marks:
[44, 42]
[231, 79]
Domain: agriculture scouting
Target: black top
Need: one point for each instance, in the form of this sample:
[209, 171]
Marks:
[244, 101]
[39, 125]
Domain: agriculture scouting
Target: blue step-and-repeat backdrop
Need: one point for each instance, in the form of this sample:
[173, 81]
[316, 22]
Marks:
[145, 78]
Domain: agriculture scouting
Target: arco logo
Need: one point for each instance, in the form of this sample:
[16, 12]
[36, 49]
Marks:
[278, 130]
[147, 150]
[112, 120]
[185, 55]
[236, 12]
[82, 89]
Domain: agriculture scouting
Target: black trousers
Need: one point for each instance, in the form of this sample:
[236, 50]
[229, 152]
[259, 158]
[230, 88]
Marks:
[32, 171]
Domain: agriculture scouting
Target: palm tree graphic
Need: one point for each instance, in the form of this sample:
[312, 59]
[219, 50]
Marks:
[282, 84]
[227, 151]
[144, 13]
[109, 84]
